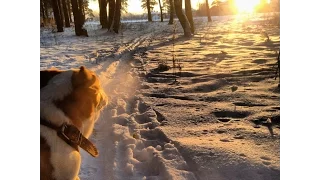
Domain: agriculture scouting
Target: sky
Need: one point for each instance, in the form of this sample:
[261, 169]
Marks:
[134, 6]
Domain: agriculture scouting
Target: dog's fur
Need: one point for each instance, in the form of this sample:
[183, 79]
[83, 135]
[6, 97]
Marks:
[74, 97]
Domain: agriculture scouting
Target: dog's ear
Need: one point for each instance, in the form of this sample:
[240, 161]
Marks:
[83, 78]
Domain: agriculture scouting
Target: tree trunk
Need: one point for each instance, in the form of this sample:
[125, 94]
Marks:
[65, 12]
[171, 12]
[42, 9]
[160, 11]
[112, 5]
[182, 18]
[78, 19]
[69, 10]
[81, 11]
[57, 16]
[61, 11]
[42, 13]
[45, 5]
[84, 13]
[149, 11]
[208, 11]
[189, 14]
[103, 13]
[100, 19]
[117, 16]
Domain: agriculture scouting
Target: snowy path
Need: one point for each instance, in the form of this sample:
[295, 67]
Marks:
[131, 146]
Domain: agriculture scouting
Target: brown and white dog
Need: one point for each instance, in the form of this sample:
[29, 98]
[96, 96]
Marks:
[72, 97]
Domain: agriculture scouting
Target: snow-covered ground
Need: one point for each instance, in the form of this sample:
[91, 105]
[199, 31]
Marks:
[195, 127]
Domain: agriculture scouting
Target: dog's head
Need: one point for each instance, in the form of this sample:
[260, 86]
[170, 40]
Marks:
[87, 93]
[77, 93]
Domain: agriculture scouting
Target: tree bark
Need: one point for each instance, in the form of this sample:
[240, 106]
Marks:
[78, 19]
[42, 12]
[81, 11]
[99, 2]
[69, 10]
[112, 5]
[171, 12]
[182, 18]
[60, 11]
[117, 16]
[160, 10]
[189, 14]
[46, 12]
[208, 11]
[42, 8]
[57, 16]
[103, 13]
[149, 11]
[65, 12]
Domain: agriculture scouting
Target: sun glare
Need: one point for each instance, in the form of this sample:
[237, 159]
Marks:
[94, 6]
[246, 5]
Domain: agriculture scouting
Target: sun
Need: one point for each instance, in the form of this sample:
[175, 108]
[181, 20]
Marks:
[246, 5]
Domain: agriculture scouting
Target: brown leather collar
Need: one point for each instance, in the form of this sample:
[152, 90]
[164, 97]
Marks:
[72, 136]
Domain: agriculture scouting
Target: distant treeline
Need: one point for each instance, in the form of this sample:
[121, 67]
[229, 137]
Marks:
[217, 8]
